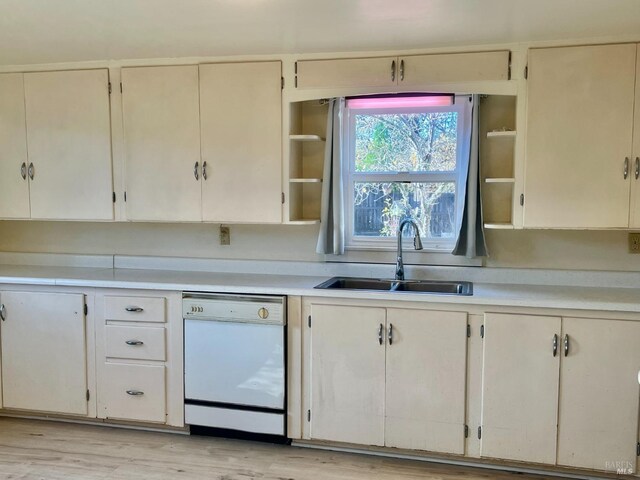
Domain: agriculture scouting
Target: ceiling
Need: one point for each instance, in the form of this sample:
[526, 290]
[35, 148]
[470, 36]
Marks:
[49, 31]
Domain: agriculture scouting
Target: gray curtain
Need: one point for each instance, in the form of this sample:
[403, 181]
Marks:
[471, 241]
[331, 237]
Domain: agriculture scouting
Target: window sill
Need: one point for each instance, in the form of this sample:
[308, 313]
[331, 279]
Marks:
[410, 256]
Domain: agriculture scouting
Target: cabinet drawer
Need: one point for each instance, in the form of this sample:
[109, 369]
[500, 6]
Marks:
[135, 309]
[139, 343]
[134, 392]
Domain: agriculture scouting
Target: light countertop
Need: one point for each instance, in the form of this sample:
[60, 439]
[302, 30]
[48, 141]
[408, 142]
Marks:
[519, 295]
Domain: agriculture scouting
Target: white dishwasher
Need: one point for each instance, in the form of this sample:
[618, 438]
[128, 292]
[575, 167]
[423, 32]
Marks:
[234, 362]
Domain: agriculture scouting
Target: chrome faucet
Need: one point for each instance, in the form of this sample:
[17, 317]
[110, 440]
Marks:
[417, 244]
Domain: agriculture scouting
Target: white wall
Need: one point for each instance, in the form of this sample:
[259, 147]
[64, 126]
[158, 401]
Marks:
[583, 250]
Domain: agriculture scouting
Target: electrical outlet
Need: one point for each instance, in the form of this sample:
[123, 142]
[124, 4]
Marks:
[225, 235]
[634, 242]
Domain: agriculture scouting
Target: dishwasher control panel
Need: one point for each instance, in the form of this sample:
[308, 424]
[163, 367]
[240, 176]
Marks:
[235, 308]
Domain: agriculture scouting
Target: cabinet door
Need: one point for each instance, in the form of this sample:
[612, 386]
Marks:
[69, 144]
[14, 187]
[161, 119]
[520, 388]
[44, 353]
[579, 128]
[454, 67]
[347, 72]
[425, 380]
[599, 391]
[241, 122]
[347, 374]
[634, 220]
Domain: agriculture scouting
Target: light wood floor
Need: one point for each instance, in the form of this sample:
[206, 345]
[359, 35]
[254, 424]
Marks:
[32, 449]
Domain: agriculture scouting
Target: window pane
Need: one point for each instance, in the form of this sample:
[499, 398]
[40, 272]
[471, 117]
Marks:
[380, 207]
[408, 142]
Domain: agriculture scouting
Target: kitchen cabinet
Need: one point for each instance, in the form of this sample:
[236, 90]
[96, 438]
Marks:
[241, 131]
[560, 390]
[347, 374]
[161, 119]
[69, 145]
[634, 218]
[599, 391]
[44, 357]
[410, 70]
[520, 387]
[425, 380]
[579, 168]
[14, 183]
[139, 352]
[388, 377]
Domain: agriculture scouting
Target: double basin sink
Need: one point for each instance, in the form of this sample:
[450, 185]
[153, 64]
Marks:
[407, 286]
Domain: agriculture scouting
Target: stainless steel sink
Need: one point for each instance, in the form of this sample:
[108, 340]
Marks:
[407, 286]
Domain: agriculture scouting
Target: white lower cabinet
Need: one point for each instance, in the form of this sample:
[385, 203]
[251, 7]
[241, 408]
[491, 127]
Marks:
[44, 352]
[520, 387]
[134, 392]
[561, 391]
[599, 392]
[139, 356]
[388, 377]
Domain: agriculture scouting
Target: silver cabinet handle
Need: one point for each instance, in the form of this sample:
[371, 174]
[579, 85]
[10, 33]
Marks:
[204, 170]
[393, 71]
[31, 173]
[637, 167]
[134, 393]
[195, 171]
[134, 309]
[23, 171]
[401, 70]
[381, 334]
[3, 315]
[390, 334]
[134, 343]
[566, 345]
[555, 345]
[626, 167]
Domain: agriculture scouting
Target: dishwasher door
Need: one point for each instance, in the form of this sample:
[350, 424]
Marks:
[233, 363]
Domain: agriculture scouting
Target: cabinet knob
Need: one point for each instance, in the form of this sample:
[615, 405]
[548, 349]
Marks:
[2, 313]
[566, 345]
[195, 171]
[625, 172]
[401, 70]
[23, 171]
[381, 334]
[134, 393]
[555, 345]
[393, 71]
[390, 334]
[637, 167]
[204, 170]
[134, 309]
[134, 343]
[31, 173]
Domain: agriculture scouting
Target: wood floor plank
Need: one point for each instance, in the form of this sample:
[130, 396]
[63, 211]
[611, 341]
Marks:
[34, 449]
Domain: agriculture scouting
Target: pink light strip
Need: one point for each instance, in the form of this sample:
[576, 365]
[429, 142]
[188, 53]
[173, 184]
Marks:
[400, 102]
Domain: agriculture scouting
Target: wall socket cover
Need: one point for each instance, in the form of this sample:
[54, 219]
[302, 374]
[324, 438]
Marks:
[634, 242]
[225, 235]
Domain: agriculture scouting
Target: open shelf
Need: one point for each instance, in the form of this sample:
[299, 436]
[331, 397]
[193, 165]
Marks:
[499, 226]
[500, 180]
[306, 138]
[305, 180]
[304, 221]
[501, 133]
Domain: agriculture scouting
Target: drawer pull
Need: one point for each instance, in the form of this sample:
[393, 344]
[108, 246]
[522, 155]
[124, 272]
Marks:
[134, 343]
[134, 393]
[134, 309]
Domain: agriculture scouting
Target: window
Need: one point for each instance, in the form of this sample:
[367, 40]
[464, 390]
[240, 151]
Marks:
[403, 159]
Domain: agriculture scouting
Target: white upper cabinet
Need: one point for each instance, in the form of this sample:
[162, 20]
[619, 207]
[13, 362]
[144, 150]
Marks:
[453, 68]
[579, 135]
[634, 218]
[241, 130]
[69, 144]
[410, 70]
[599, 391]
[14, 184]
[162, 143]
[520, 387]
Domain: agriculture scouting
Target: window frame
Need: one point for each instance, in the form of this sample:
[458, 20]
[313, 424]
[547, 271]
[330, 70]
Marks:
[461, 105]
